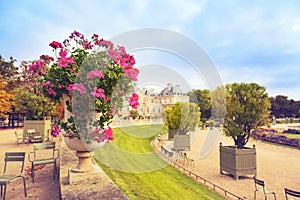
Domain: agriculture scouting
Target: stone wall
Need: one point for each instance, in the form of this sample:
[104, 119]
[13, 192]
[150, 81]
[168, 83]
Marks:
[91, 185]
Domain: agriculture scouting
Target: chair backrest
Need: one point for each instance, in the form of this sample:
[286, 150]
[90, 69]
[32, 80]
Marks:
[14, 157]
[30, 130]
[259, 182]
[44, 147]
[18, 135]
[291, 193]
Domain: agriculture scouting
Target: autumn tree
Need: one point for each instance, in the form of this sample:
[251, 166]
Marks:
[5, 99]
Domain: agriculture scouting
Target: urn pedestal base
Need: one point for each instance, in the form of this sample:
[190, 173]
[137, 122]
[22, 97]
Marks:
[85, 163]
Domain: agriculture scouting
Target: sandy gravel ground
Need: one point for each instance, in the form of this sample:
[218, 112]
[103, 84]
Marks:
[44, 187]
[278, 166]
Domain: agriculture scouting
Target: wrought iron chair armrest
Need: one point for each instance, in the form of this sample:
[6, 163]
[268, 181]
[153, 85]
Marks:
[29, 157]
[57, 156]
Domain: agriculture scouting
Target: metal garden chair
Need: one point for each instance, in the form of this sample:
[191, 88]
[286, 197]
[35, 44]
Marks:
[260, 187]
[5, 178]
[43, 153]
[21, 137]
[292, 193]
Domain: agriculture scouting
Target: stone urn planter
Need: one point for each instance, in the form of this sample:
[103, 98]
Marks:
[237, 162]
[84, 152]
[84, 149]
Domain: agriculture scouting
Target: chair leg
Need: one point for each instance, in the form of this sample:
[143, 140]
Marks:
[24, 182]
[4, 192]
[274, 195]
[54, 170]
[255, 195]
[32, 172]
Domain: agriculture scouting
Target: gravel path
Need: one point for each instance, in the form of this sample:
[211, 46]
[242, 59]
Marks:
[278, 166]
[44, 187]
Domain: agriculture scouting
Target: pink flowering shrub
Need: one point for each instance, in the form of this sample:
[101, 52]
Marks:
[95, 75]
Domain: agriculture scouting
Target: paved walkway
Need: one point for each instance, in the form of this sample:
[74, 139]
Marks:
[44, 187]
[278, 166]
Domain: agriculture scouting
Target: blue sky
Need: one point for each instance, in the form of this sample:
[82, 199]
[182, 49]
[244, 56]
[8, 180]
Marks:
[248, 41]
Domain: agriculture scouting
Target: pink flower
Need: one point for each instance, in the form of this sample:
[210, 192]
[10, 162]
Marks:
[101, 135]
[79, 87]
[37, 66]
[132, 74]
[95, 73]
[75, 34]
[70, 88]
[55, 130]
[46, 58]
[105, 43]
[55, 45]
[51, 91]
[46, 83]
[111, 53]
[108, 133]
[133, 100]
[98, 93]
[64, 60]
[40, 63]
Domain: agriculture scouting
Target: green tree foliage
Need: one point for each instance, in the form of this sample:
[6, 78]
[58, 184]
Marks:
[203, 100]
[218, 99]
[247, 107]
[183, 116]
[29, 97]
[9, 72]
[133, 113]
[281, 106]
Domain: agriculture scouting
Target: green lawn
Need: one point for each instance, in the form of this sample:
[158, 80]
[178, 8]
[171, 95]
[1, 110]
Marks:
[140, 173]
[294, 136]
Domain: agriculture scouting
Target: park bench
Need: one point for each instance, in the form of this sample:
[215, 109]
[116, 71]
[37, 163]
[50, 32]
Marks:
[167, 150]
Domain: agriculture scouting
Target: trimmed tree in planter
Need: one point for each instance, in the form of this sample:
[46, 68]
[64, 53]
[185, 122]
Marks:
[182, 117]
[247, 107]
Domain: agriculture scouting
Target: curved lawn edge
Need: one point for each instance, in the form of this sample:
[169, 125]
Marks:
[164, 183]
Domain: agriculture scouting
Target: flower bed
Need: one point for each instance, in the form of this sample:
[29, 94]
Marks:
[271, 135]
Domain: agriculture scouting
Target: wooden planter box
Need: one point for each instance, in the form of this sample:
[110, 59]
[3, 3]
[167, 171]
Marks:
[40, 126]
[182, 142]
[237, 162]
[172, 133]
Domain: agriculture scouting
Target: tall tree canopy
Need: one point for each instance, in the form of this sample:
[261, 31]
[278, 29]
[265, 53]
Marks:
[9, 72]
[183, 116]
[218, 99]
[29, 97]
[247, 106]
[281, 107]
[203, 100]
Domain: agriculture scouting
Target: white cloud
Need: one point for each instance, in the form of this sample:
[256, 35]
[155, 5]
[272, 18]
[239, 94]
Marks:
[296, 27]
